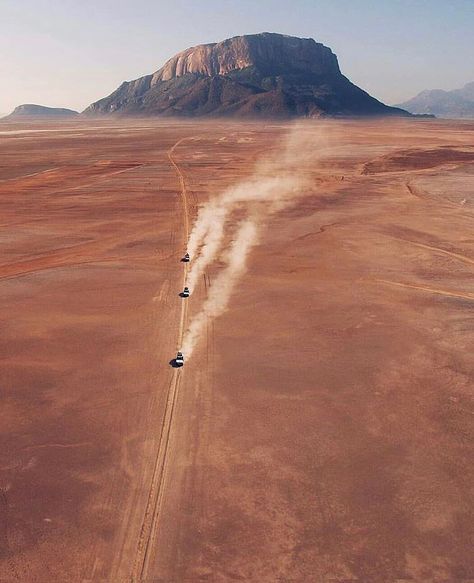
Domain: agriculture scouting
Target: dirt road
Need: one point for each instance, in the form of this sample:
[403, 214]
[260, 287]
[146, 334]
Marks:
[152, 513]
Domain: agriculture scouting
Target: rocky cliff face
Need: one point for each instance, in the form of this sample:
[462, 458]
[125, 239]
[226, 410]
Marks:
[261, 75]
[32, 110]
[266, 49]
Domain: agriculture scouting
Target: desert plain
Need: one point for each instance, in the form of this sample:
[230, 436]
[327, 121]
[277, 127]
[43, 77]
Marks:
[321, 430]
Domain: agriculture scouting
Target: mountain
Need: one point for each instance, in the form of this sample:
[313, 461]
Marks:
[259, 75]
[456, 103]
[31, 110]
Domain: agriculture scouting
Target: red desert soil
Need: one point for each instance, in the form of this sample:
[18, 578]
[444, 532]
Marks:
[323, 428]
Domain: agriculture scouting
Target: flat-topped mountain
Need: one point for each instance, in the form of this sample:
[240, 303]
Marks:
[259, 75]
[32, 110]
[457, 103]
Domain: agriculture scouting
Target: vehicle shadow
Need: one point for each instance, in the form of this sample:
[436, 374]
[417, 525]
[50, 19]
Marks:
[174, 364]
[182, 295]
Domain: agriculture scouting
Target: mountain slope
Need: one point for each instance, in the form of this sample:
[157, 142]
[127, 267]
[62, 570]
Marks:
[261, 75]
[457, 103]
[32, 110]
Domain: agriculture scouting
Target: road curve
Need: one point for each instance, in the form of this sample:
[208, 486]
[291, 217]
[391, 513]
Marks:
[151, 518]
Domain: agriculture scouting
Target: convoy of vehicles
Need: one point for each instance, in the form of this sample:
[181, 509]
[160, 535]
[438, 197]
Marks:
[179, 360]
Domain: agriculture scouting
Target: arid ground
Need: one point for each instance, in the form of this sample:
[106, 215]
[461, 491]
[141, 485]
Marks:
[322, 429]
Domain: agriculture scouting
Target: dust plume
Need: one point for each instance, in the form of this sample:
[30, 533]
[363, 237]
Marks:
[218, 300]
[275, 183]
[209, 231]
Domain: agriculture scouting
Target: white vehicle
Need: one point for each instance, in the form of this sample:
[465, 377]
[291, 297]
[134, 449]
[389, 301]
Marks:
[185, 292]
[186, 258]
[179, 360]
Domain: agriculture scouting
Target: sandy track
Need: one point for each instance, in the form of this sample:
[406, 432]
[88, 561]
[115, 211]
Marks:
[152, 513]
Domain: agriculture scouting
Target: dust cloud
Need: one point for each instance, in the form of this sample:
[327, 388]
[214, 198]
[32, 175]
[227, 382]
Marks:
[277, 180]
[219, 295]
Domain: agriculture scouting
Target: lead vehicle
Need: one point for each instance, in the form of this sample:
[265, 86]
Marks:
[179, 360]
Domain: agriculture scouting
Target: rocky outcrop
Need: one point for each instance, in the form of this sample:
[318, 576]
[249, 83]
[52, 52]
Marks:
[458, 103]
[269, 51]
[261, 75]
[32, 110]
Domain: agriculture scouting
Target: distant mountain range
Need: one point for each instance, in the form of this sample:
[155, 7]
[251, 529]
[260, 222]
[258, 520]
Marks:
[458, 103]
[260, 75]
[31, 110]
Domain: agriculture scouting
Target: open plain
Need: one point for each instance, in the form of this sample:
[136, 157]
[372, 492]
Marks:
[322, 429]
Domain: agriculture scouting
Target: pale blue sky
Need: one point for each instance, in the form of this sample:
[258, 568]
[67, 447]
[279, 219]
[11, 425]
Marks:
[71, 52]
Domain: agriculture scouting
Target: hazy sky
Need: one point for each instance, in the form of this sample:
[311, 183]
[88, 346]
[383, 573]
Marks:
[71, 52]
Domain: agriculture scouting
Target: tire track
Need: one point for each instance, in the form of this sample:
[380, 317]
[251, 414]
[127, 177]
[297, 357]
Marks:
[420, 194]
[148, 533]
[117, 260]
[77, 254]
[99, 177]
[458, 256]
[432, 290]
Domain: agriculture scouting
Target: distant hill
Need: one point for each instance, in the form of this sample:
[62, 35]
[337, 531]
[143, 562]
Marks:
[458, 103]
[31, 110]
[260, 75]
